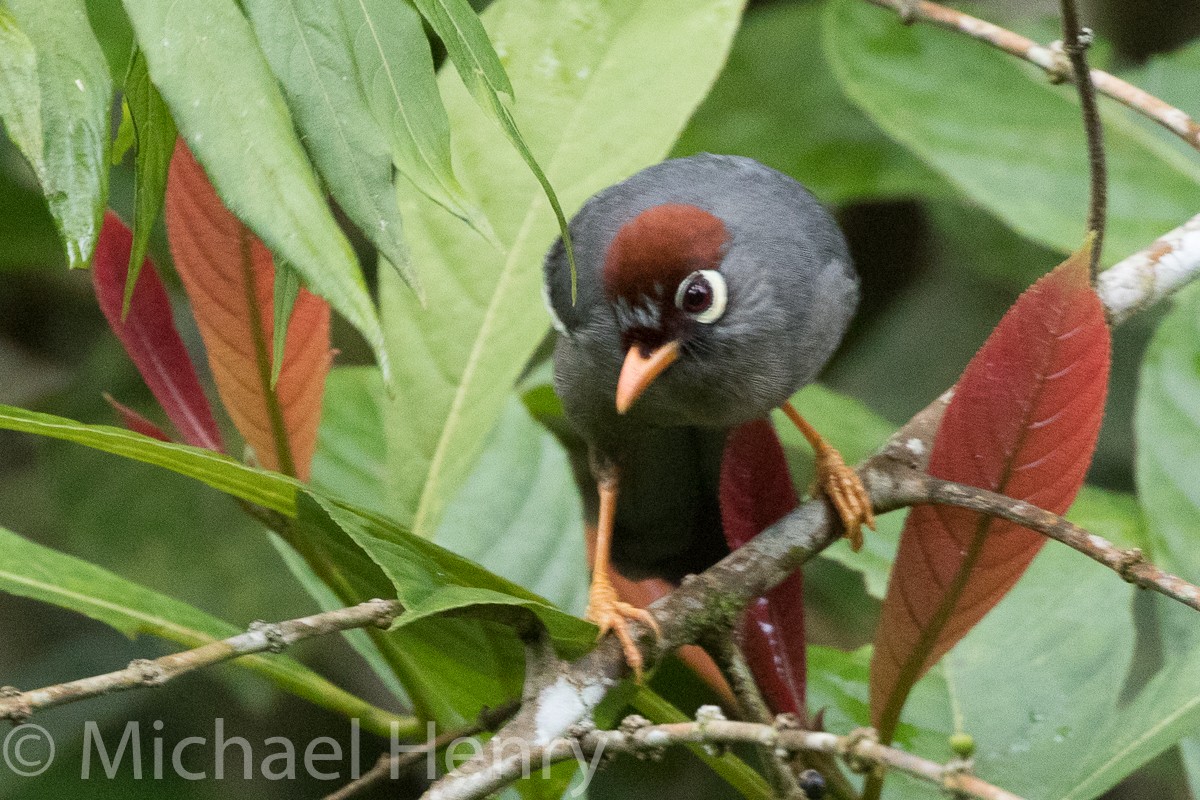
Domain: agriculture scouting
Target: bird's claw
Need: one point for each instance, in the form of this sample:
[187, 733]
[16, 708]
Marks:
[614, 615]
[845, 490]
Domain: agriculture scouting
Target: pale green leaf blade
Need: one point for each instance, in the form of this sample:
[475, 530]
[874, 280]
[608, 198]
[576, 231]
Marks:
[30, 570]
[20, 97]
[204, 59]
[611, 100]
[309, 50]
[1006, 137]
[394, 66]
[351, 458]
[154, 139]
[287, 288]
[472, 54]
[75, 99]
[519, 513]
[267, 489]
[467, 43]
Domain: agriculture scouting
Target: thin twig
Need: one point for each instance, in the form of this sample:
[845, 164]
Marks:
[1075, 43]
[261, 637]
[390, 767]
[859, 750]
[1054, 62]
[1130, 564]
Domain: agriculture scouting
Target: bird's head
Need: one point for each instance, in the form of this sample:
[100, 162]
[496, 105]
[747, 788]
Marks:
[662, 277]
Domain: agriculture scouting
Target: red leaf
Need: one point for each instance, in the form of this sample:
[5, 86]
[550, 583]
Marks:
[135, 421]
[229, 276]
[149, 336]
[1023, 422]
[756, 492]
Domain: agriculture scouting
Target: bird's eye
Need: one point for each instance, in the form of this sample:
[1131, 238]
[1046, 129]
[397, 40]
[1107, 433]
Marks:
[702, 295]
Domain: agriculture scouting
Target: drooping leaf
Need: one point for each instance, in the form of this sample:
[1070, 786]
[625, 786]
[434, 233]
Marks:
[310, 51]
[135, 421]
[149, 336]
[154, 140]
[831, 146]
[204, 60]
[612, 99]
[267, 489]
[450, 667]
[30, 570]
[394, 66]
[479, 67]
[1023, 422]
[230, 279]
[431, 580]
[756, 492]
[941, 94]
[56, 105]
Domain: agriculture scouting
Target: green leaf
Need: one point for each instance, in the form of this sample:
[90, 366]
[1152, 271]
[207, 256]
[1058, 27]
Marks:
[287, 287]
[430, 580]
[30, 570]
[1038, 680]
[204, 59]
[327, 600]
[395, 69]
[802, 126]
[351, 458]
[267, 489]
[154, 132]
[519, 513]
[603, 95]
[1002, 134]
[450, 667]
[480, 69]
[69, 92]
[1167, 427]
[20, 97]
[309, 49]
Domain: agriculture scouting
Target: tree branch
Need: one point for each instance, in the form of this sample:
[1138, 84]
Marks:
[1053, 61]
[560, 697]
[860, 751]
[260, 638]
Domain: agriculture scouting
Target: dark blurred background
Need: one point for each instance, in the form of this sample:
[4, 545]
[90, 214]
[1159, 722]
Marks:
[920, 262]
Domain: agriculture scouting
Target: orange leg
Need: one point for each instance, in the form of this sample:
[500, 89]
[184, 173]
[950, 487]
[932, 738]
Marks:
[839, 482]
[604, 607]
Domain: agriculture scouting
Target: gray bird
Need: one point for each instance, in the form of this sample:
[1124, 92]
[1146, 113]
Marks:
[709, 290]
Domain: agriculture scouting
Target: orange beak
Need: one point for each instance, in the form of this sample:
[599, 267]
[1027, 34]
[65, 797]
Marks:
[639, 371]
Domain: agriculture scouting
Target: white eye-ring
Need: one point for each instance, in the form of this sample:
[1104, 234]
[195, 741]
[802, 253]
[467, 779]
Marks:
[703, 295]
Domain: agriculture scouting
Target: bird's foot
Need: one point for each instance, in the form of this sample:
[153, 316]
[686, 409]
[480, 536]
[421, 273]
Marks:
[615, 615]
[845, 490]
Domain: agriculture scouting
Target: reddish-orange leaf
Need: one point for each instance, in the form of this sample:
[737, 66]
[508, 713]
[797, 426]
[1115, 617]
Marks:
[1023, 421]
[230, 276]
[756, 491]
[149, 336]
